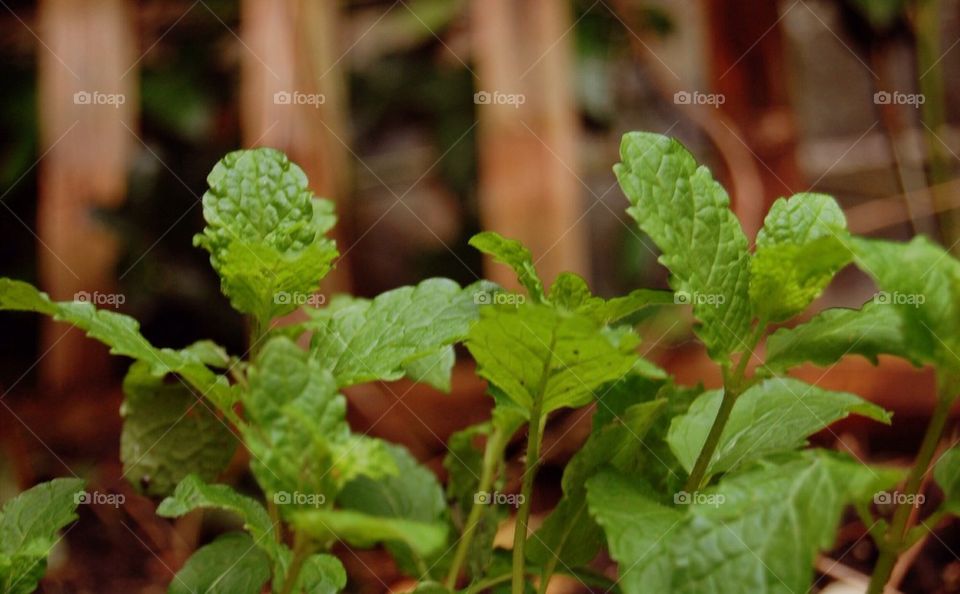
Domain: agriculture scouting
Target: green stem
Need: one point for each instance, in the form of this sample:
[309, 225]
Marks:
[256, 334]
[492, 456]
[894, 539]
[301, 550]
[733, 386]
[534, 437]
[275, 520]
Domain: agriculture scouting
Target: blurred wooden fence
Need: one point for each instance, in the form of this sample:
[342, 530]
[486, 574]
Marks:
[293, 96]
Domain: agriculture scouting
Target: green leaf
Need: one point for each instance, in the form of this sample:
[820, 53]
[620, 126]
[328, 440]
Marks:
[569, 535]
[433, 369]
[947, 474]
[232, 564]
[921, 282]
[774, 416]
[29, 524]
[322, 574]
[571, 292]
[834, 333]
[265, 232]
[169, 433]
[299, 437]
[363, 530]
[799, 250]
[536, 352]
[192, 493]
[757, 532]
[267, 283]
[515, 255]
[360, 340]
[122, 334]
[686, 214]
[413, 493]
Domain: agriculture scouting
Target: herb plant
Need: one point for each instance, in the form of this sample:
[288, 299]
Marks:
[690, 490]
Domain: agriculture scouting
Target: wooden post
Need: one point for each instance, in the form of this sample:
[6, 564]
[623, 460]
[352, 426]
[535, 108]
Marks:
[87, 112]
[528, 187]
[293, 95]
[748, 67]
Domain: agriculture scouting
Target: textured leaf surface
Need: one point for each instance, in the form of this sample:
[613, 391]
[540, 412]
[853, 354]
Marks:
[572, 293]
[403, 331]
[299, 437]
[168, 434]
[774, 416]
[265, 232]
[193, 494]
[515, 255]
[874, 330]
[232, 564]
[755, 533]
[413, 493]
[686, 214]
[538, 352]
[921, 282]
[323, 574]
[122, 334]
[29, 524]
[799, 250]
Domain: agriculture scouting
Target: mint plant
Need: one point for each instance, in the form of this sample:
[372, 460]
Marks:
[187, 409]
[690, 490]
